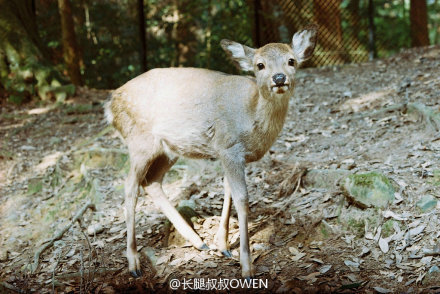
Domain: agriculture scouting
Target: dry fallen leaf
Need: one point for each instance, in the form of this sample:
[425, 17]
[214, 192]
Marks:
[382, 290]
[325, 268]
[383, 244]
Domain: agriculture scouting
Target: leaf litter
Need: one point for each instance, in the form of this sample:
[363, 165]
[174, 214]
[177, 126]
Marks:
[305, 233]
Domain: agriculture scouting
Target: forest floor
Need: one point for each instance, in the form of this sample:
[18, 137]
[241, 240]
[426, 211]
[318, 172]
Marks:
[305, 237]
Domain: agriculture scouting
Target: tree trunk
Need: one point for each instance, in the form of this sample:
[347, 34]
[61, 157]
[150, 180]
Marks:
[419, 23]
[24, 66]
[142, 35]
[184, 32]
[256, 4]
[70, 46]
[436, 24]
[328, 17]
[269, 24]
[371, 31]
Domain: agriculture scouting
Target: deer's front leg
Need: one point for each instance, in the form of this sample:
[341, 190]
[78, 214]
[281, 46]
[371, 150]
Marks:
[234, 166]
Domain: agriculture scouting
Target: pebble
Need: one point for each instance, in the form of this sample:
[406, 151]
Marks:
[95, 229]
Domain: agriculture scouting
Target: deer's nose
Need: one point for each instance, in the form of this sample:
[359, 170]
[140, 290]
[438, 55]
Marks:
[279, 79]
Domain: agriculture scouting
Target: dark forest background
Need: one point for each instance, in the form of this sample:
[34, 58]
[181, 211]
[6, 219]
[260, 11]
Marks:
[47, 47]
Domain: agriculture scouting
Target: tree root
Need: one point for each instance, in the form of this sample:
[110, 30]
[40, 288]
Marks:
[10, 287]
[59, 235]
[391, 108]
[100, 271]
[429, 115]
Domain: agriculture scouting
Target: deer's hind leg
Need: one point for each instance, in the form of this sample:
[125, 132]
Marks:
[223, 228]
[153, 186]
[141, 158]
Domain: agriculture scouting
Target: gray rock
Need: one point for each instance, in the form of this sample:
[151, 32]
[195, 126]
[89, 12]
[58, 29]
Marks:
[427, 203]
[95, 229]
[368, 189]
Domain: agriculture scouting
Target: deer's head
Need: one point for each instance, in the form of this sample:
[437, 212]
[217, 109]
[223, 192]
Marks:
[274, 64]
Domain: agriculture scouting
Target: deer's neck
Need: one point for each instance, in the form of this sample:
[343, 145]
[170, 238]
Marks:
[269, 119]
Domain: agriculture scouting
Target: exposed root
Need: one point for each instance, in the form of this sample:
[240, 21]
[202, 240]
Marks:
[292, 181]
[59, 235]
[428, 115]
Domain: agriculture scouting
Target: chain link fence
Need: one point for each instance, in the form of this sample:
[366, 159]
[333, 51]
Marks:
[349, 30]
[343, 29]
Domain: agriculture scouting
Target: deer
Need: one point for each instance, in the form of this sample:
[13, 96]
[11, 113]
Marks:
[166, 113]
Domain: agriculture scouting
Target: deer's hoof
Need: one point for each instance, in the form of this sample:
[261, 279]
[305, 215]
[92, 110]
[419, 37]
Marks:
[204, 247]
[136, 273]
[227, 253]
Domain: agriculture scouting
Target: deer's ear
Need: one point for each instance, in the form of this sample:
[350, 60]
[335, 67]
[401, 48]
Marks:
[241, 54]
[304, 42]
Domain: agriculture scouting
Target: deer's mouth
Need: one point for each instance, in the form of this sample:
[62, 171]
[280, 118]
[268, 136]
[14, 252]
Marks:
[279, 89]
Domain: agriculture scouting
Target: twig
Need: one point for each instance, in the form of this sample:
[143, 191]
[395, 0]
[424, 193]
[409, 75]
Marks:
[99, 271]
[59, 235]
[394, 107]
[90, 276]
[53, 272]
[81, 271]
[10, 287]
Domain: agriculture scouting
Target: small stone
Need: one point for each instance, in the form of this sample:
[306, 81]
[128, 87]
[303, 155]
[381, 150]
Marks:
[188, 203]
[95, 229]
[260, 246]
[150, 253]
[348, 94]
[27, 148]
[432, 276]
[434, 269]
[427, 203]
[4, 254]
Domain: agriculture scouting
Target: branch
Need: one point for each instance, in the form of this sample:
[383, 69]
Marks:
[59, 235]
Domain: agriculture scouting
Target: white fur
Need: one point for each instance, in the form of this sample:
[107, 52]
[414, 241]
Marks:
[238, 53]
[108, 113]
[300, 42]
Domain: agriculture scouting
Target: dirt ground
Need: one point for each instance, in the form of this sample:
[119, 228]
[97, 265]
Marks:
[304, 238]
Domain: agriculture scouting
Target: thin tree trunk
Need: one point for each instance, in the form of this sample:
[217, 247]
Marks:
[269, 24]
[70, 46]
[371, 31]
[436, 24]
[257, 17]
[142, 35]
[419, 23]
[184, 29]
[328, 17]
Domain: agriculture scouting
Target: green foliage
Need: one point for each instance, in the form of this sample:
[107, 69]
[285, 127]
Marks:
[187, 33]
[77, 108]
[357, 226]
[108, 35]
[395, 15]
[436, 178]
[387, 228]
[35, 186]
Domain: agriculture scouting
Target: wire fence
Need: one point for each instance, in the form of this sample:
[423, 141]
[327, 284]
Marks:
[343, 31]
[349, 30]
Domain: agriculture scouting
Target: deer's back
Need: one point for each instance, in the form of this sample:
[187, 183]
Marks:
[191, 111]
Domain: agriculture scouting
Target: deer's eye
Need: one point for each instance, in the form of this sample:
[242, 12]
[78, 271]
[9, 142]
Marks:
[291, 62]
[260, 66]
